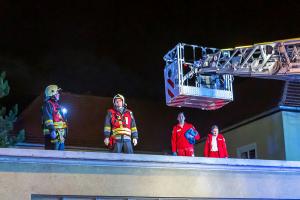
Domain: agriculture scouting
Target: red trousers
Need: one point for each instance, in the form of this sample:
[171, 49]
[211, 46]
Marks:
[185, 152]
[214, 154]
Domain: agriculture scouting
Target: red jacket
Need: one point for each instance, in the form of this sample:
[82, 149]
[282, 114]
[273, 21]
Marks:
[117, 123]
[52, 116]
[220, 143]
[178, 139]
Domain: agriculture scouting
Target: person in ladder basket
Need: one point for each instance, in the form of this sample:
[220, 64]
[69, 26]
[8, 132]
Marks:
[120, 127]
[53, 119]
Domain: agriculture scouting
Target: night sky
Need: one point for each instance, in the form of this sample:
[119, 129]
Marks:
[107, 47]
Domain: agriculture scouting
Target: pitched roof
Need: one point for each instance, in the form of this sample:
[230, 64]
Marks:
[86, 120]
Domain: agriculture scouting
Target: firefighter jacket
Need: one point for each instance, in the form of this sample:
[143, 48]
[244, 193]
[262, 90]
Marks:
[119, 124]
[53, 118]
[178, 140]
[221, 144]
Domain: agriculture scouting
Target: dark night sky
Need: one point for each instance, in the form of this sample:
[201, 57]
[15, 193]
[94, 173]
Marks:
[108, 47]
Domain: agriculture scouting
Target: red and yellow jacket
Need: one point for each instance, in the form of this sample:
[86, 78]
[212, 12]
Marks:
[118, 124]
[53, 118]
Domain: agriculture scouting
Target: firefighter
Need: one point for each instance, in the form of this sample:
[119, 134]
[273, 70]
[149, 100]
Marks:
[53, 119]
[184, 136]
[120, 127]
[215, 145]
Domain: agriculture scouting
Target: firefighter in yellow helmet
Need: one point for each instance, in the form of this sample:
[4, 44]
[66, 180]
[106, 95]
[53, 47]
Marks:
[120, 127]
[53, 119]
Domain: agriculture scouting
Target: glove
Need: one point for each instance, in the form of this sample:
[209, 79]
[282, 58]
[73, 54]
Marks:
[53, 134]
[134, 141]
[174, 154]
[106, 141]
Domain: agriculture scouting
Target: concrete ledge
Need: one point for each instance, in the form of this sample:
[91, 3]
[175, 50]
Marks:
[109, 174]
[141, 160]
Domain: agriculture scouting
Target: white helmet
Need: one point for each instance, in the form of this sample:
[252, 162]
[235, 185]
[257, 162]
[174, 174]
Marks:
[51, 90]
[119, 96]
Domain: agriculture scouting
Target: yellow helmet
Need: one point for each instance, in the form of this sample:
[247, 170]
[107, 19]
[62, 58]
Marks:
[119, 96]
[51, 90]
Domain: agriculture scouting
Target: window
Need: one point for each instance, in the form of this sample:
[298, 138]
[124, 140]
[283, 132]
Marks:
[247, 152]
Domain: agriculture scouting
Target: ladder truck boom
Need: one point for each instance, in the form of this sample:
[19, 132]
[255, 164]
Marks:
[202, 77]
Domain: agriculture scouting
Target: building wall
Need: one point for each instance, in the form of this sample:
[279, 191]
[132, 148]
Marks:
[291, 125]
[25, 173]
[266, 133]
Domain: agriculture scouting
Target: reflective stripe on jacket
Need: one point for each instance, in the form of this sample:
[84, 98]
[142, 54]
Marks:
[117, 124]
[52, 117]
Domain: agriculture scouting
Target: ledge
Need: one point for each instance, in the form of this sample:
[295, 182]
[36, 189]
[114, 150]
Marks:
[142, 160]
[28, 172]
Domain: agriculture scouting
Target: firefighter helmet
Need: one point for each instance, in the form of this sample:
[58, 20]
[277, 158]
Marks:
[119, 96]
[51, 90]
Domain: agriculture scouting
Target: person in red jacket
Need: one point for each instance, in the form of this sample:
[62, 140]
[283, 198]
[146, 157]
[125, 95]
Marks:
[215, 145]
[183, 137]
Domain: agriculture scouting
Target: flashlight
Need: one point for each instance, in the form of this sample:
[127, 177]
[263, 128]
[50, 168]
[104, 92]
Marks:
[64, 111]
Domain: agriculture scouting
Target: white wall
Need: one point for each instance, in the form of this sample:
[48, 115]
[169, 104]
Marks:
[27, 172]
[266, 132]
[291, 125]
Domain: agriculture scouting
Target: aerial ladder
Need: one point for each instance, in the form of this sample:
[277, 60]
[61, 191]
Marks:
[202, 77]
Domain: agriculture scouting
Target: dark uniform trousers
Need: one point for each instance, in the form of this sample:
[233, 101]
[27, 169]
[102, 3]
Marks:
[123, 144]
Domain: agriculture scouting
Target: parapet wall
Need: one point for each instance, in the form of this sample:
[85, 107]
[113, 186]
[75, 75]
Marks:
[25, 173]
